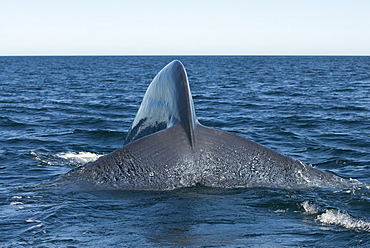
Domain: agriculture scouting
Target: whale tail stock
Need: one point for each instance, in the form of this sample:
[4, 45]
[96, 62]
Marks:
[167, 148]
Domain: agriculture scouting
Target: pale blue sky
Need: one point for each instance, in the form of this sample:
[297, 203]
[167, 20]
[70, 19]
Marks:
[120, 27]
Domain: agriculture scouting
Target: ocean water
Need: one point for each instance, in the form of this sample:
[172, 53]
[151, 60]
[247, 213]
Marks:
[57, 113]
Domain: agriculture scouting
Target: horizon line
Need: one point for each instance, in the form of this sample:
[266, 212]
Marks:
[35, 55]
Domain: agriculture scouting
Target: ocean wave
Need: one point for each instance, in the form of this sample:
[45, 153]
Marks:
[336, 217]
[342, 218]
[79, 157]
[63, 158]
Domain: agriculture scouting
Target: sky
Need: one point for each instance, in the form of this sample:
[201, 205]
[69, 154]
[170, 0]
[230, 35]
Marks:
[184, 27]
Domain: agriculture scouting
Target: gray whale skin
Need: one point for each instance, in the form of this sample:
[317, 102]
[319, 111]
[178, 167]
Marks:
[167, 148]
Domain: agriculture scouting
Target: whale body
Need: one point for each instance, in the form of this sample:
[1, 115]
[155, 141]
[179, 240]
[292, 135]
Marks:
[167, 148]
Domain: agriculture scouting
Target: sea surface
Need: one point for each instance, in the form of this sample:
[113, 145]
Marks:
[57, 113]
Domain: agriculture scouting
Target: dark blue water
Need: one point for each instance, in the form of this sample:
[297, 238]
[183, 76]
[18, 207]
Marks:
[60, 112]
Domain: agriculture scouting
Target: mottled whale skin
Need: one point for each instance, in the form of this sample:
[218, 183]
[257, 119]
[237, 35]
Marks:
[167, 148]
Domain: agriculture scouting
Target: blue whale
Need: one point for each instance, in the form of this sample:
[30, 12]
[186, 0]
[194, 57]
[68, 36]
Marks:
[167, 148]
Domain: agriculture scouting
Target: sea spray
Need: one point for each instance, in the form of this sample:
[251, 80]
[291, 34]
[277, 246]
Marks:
[335, 217]
[79, 157]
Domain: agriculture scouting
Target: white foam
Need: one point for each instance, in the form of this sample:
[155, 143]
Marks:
[342, 218]
[32, 221]
[39, 158]
[35, 226]
[79, 157]
[310, 208]
[335, 217]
